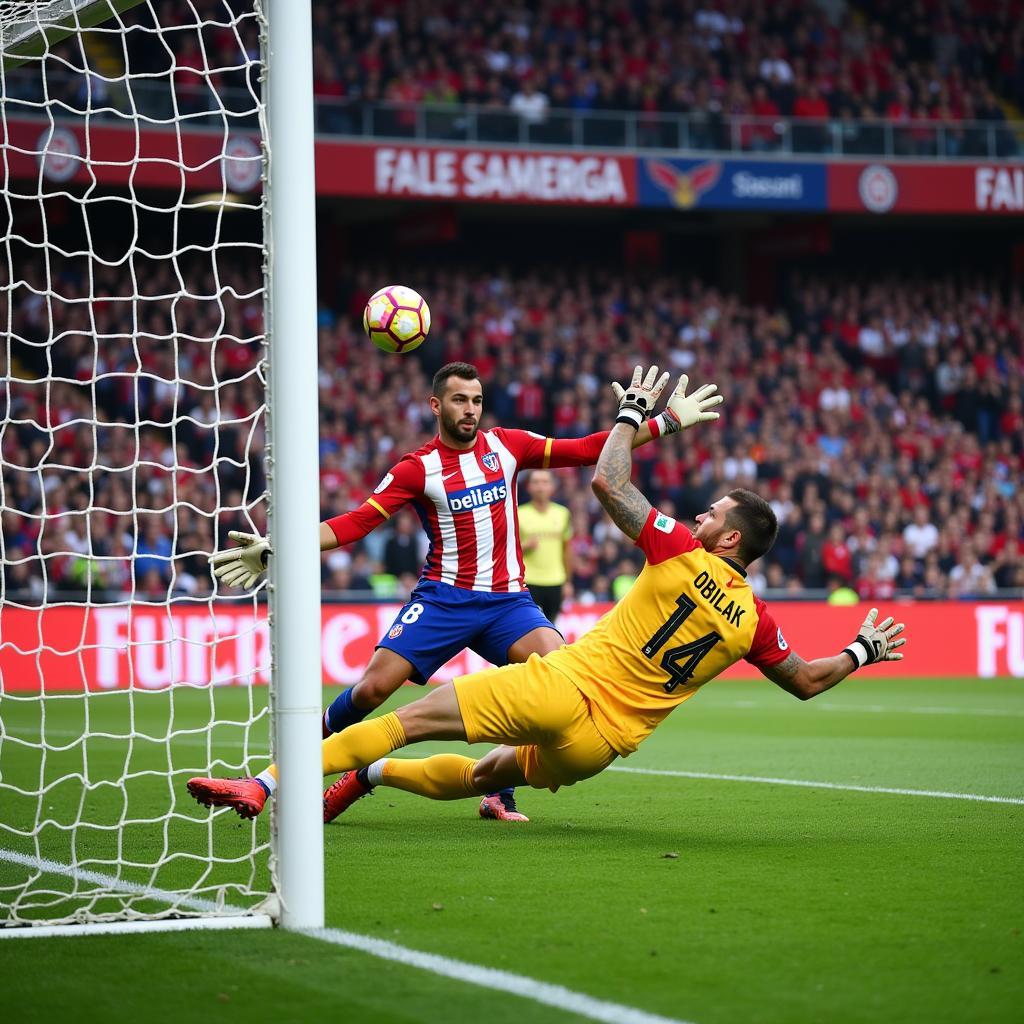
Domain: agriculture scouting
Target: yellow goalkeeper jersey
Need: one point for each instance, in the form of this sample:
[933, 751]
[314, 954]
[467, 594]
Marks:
[688, 617]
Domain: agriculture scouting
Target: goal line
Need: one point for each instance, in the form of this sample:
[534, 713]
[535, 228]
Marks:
[229, 916]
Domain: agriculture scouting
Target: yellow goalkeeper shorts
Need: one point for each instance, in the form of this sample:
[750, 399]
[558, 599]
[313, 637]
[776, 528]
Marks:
[536, 709]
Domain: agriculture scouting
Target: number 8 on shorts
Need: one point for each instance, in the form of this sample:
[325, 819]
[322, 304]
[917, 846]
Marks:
[413, 612]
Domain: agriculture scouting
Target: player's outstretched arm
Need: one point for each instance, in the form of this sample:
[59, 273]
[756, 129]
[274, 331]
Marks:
[622, 501]
[627, 507]
[401, 484]
[873, 643]
[682, 411]
[244, 564]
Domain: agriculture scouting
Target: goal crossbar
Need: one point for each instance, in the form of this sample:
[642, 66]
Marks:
[30, 29]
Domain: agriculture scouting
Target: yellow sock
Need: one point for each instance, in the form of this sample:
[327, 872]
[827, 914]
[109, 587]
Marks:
[442, 777]
[362, 744]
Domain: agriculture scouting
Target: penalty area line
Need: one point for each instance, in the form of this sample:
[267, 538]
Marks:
[808, 784]
[556, 996]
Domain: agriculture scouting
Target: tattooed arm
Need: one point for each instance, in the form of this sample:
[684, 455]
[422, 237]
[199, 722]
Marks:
[806, 679]
[873, 643]
[622, 501]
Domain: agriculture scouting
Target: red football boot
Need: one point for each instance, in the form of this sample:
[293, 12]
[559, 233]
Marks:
[341, 795]
[244, 796]
[501, 807]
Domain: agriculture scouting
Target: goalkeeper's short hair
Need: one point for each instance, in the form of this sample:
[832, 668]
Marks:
[464, 371]
[756, 521]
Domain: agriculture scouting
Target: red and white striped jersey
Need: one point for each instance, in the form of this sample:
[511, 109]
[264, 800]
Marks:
[466, 501]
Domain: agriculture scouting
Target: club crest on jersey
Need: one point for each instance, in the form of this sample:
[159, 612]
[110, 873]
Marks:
[490, 461]
[475, 497]
[396, 631]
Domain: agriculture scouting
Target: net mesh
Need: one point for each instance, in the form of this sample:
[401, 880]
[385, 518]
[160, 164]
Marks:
[132, 411]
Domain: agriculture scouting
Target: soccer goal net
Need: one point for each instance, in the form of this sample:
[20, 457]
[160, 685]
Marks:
[132, 401]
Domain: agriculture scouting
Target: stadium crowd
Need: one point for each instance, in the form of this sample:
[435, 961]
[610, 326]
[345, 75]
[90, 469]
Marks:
[884, 419]
[712, 60]
[919, 67]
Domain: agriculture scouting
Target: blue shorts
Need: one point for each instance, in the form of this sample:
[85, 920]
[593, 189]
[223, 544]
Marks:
[441, 620]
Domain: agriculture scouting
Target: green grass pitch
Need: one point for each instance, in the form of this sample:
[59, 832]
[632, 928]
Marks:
[703, 900]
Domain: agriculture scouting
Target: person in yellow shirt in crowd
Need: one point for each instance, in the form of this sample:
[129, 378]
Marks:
[545, 531]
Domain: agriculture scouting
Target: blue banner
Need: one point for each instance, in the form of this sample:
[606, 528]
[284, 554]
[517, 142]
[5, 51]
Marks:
[731, 184]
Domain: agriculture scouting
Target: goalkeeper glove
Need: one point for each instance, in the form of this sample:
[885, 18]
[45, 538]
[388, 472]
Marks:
[875, 643]
[638, 401]
[683, 411]
[244, 565]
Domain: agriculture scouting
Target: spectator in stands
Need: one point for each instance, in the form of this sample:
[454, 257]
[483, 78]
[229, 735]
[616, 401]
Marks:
[530, 103]
[921, 535]
[811, 106]
[763, 133]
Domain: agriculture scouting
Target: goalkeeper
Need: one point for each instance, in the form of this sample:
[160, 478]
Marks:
[567, 716]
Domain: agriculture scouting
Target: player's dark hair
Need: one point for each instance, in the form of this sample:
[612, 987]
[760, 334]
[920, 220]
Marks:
[755, 519]
[465, 371]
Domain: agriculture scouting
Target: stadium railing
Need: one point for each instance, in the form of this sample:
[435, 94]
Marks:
[697, 131]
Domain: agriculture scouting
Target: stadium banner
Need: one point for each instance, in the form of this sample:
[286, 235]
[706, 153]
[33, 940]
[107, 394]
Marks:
[65, 648]
[477, 174]
[936, 187]
[731, 184]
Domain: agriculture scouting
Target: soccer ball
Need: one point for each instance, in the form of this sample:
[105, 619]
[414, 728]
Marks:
[397, 319]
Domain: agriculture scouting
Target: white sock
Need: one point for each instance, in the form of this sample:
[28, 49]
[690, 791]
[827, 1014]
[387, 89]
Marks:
[268, 780]
[375, 772]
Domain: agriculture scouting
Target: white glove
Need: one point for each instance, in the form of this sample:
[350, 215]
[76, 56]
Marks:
[876, 643]
[638, 402]
[683, 411]
[244, 565]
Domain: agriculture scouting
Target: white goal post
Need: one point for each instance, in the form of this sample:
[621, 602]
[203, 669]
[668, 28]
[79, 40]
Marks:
[158, 387]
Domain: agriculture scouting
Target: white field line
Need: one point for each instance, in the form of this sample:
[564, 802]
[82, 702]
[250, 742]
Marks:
[557, 996]
[543, 992]
[807, 784]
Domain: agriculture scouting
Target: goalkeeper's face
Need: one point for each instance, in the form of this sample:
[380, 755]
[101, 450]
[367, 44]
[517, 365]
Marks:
[459, 410]
[711, 528]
